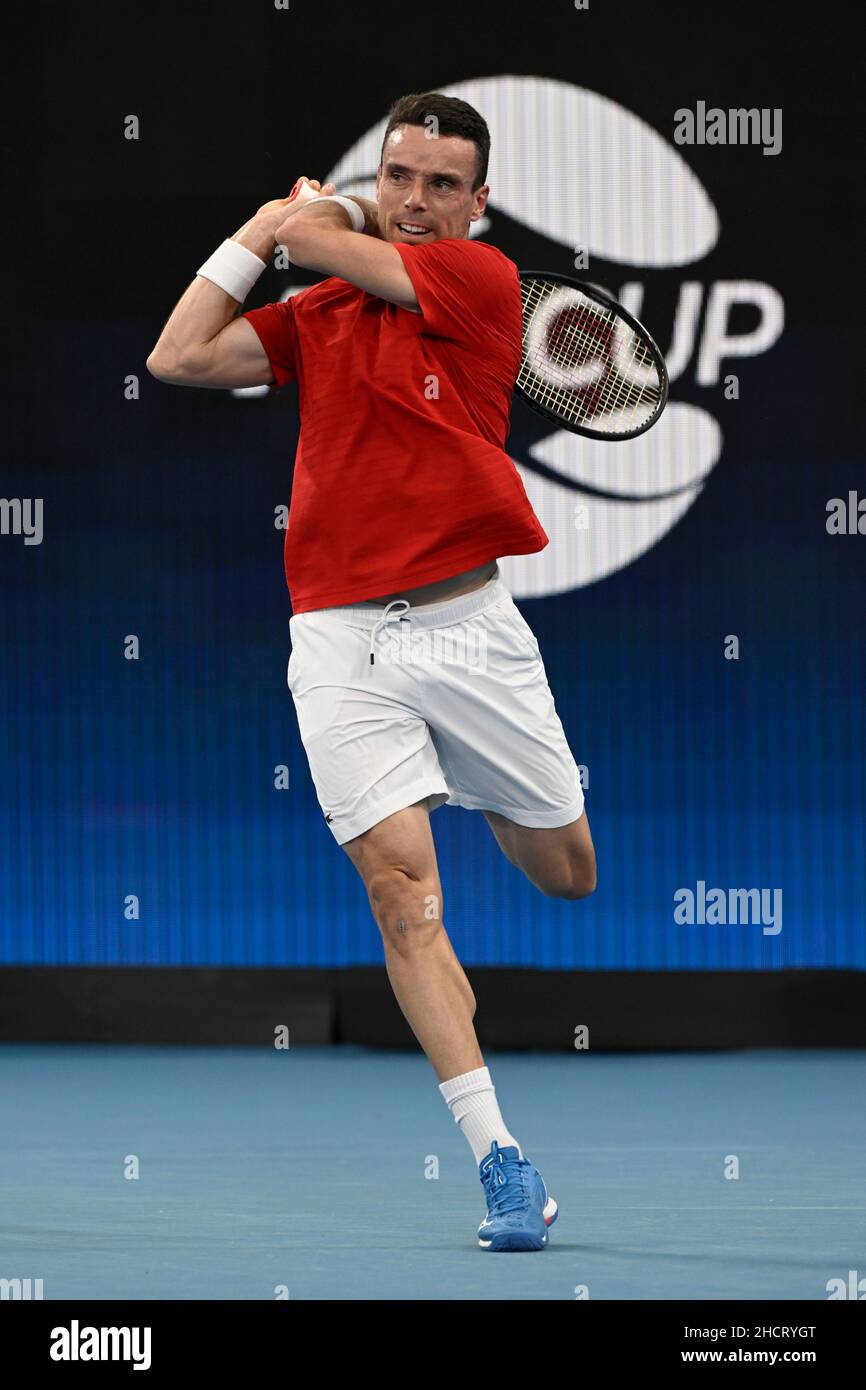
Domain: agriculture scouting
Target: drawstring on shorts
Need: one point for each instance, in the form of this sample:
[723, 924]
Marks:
[388, 617]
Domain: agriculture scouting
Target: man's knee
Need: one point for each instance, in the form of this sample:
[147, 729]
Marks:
[406, 906]
[575, 878]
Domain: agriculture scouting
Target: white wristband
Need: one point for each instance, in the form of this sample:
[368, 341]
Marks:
[234, 268]
[356, 213]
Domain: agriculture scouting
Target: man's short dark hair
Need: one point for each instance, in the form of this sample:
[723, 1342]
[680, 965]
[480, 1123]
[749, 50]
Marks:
[453, 117]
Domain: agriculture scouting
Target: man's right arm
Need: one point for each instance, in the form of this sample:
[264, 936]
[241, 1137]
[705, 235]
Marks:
[205, 342]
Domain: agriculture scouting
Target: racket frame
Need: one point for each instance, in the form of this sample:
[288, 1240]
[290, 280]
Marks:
[606, 302]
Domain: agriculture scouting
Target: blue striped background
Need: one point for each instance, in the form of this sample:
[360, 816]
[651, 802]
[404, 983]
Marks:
[155, 777]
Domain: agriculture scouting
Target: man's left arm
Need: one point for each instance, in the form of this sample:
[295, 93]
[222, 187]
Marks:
[320, 236]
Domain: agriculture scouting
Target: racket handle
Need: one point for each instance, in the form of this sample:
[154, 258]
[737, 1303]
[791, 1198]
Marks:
[302, 192]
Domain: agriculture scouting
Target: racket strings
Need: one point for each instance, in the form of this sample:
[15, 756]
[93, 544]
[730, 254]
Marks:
[583, 362]
[589, 329]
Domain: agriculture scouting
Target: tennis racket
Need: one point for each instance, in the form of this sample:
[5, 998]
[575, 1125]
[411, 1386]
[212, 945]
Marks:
[587, 364]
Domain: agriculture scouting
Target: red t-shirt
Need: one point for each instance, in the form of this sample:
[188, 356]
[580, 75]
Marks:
[401, 477]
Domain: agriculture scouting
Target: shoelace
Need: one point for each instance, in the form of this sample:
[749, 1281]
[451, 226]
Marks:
[504, 1182]
[387, 617]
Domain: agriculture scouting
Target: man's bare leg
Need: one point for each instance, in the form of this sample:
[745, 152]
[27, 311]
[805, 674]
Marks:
[397, 862]
[560, 861]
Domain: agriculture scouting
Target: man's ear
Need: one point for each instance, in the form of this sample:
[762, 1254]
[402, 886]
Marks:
[480, 202]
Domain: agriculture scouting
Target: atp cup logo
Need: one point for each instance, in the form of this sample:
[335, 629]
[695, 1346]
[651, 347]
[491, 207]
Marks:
[579, 169]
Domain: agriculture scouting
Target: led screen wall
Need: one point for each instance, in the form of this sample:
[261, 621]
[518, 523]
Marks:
[699, 610]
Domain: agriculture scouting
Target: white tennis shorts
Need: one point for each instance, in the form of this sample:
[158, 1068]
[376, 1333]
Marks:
[454, 706]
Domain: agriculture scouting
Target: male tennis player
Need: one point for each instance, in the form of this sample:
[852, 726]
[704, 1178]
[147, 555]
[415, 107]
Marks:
[415, 678]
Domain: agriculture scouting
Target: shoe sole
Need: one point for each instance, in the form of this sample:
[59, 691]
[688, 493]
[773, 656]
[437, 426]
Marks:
[522, 1240]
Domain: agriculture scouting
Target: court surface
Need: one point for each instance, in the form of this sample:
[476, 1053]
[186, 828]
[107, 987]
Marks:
[307, 1169]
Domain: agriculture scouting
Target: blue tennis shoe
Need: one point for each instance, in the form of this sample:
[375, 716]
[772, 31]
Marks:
[519, 1209]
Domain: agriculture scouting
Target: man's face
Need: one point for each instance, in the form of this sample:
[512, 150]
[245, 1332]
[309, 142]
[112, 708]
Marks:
[424, 186]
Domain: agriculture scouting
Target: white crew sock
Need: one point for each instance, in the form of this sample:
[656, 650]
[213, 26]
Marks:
[472, 1101]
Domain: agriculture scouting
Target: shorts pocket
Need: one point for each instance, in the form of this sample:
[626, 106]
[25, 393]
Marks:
[524, 634]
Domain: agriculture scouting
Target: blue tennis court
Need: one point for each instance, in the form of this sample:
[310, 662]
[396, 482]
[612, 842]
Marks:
[308, 1170]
